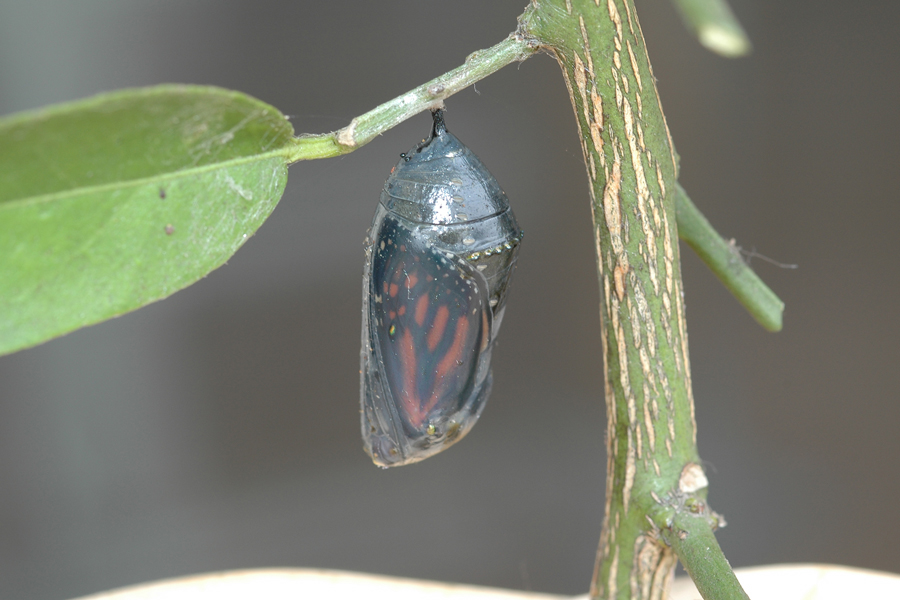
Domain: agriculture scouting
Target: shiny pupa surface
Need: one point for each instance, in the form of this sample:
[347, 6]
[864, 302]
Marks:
[439, 257]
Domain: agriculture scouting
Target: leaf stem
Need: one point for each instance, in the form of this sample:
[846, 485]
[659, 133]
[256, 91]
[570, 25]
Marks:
[725, 261]
[366, 127]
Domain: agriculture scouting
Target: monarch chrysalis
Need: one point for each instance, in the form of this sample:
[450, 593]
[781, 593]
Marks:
[439, 257]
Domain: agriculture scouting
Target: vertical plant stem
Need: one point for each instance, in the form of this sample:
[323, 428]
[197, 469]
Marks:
[653, 472]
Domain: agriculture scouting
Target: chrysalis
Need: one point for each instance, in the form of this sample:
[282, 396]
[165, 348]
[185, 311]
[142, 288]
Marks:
[439, 257]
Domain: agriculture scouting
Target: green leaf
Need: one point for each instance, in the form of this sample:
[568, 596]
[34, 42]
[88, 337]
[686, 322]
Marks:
[715, 26]
[113, 202]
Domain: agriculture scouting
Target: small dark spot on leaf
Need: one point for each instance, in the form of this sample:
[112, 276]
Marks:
[162, 193]
[170, 229]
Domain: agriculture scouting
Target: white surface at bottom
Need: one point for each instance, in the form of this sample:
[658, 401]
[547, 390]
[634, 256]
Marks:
[779, 582]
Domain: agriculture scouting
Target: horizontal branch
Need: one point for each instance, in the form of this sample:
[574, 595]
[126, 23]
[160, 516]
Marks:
[725, 261]
[368, 126]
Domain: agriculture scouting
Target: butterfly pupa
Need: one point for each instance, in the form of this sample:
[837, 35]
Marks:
[439, 257]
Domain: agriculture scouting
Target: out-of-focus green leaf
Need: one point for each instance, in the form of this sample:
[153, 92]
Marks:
[110, 203]
[715, 25]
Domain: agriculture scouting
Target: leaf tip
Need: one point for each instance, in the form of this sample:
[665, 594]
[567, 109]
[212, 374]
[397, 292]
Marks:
[728, 42]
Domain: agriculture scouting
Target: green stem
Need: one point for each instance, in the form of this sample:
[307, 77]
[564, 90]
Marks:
[654, 478]
[725, 261]
[691, 535]
[715, 26]
[368, 126]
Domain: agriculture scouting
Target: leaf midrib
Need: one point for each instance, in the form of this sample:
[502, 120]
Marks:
[133, 183]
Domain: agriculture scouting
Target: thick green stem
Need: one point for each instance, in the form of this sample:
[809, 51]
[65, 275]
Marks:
[653, 470]
[724, 259]
[715, 26]
[364, 128]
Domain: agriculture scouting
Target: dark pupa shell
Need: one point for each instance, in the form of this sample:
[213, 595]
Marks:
[439, 257]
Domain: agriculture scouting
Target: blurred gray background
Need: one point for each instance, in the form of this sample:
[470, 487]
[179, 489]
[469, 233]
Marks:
[218, 429]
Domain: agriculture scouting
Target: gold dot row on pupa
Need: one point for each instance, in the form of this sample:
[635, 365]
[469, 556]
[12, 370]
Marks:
[505, 246]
